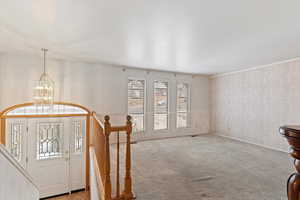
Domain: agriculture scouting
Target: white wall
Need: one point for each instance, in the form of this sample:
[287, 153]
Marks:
[251, 105]
[100, 87]
[15, 182]
[200, 104]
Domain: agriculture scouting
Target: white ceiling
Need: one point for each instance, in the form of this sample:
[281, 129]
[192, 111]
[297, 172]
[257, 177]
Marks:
[194, 36]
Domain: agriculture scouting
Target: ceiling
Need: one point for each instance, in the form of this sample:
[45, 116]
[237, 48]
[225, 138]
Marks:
[192, 36]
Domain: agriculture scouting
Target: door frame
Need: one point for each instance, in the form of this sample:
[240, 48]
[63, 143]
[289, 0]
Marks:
[4, 115]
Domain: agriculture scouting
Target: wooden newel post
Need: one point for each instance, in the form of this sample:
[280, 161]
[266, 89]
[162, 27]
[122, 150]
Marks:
[107, 184]
[2, 131]
[292, 134]
[128, 194]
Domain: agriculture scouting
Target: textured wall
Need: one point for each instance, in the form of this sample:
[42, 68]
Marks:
[251, 105]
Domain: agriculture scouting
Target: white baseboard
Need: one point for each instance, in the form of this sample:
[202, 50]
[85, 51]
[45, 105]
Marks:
[157, 137]
[163, 137]
[253, 143]
[134, 140]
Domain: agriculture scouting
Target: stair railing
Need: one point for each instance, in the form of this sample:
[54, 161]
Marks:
[101, 158]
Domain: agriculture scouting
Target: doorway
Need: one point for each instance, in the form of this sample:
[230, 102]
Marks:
[51, 147]
[51, 150]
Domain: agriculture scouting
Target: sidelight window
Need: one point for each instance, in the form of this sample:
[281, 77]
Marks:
[16, 140]
[77, 131]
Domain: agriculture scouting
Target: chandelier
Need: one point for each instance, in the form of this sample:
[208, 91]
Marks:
[44, 89]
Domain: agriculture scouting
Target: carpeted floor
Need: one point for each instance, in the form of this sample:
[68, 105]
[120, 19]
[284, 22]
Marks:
[208, 168]
[205, 168]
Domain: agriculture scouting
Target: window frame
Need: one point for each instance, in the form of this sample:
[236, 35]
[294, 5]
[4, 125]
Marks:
[145, 101]
[168, 107]
[188, 123]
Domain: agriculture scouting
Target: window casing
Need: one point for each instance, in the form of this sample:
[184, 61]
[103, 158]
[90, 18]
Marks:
[161, 105]
[136, 103]
[182, 105]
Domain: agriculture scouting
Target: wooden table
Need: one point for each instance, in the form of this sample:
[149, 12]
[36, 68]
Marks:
[292, 134]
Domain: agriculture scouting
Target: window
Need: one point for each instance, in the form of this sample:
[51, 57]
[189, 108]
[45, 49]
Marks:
[56, 109]
[16, 140]
[50, 140]
[182, 105]
[77, 131]
[161, 107]
[136, 103]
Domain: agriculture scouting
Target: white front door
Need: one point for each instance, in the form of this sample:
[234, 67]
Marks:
[48, 155]
[52, 150]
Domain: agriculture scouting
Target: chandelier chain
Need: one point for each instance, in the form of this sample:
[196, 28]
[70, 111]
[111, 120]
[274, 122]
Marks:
[45, 51]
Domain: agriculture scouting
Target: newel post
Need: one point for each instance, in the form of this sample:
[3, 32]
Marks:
[2, 131]
[292, 134]
[128, 194]
[107, 185]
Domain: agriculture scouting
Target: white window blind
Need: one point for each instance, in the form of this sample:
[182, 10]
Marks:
[136, 103]
[182, 105]
[161, 107]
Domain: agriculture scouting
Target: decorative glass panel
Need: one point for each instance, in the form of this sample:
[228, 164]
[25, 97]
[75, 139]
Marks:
[77, 131]
[56, 109]
[50, 140]
[16, 140]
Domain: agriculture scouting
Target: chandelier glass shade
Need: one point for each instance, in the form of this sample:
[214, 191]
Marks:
[44, 89]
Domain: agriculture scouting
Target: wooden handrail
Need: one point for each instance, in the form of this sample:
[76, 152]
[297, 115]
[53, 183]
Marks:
[97, 119]
[118, 128]
[100, 141]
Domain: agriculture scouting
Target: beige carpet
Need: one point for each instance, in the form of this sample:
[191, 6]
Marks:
[208, 168]
[74, 196]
